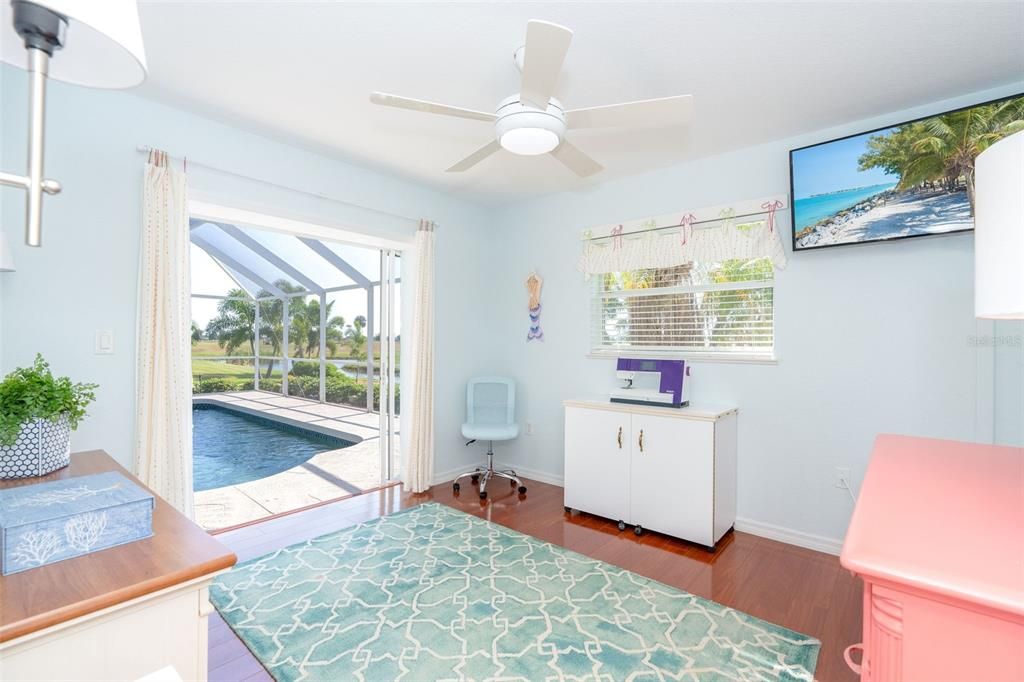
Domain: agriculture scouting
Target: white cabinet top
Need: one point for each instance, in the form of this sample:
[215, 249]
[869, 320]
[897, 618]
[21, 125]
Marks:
[701, 412]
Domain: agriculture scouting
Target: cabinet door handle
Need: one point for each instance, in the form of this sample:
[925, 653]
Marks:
[620, 438]
[641, 440]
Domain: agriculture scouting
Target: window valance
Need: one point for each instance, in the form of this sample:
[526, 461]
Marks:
[747, 230]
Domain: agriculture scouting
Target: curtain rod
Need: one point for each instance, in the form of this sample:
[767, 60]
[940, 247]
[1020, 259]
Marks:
[696, 223]
[318, 195]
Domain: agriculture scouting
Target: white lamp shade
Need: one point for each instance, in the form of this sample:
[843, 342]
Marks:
[102, 47]
[999, 230]
[6, 256]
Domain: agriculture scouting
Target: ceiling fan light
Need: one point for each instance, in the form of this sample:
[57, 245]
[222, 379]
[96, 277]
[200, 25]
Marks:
[529, 141]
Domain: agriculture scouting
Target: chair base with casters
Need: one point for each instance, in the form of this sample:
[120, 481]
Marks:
[485, 473]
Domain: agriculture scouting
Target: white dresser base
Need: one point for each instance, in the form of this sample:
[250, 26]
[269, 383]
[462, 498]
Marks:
[124, 642]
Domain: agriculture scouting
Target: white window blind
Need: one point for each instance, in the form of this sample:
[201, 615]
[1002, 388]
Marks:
[723, 309]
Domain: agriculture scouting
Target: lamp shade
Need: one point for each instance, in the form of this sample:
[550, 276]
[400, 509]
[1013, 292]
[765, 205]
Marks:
[999, 230]
[103, 43]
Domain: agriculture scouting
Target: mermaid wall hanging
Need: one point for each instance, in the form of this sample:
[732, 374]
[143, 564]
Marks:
[533, 287]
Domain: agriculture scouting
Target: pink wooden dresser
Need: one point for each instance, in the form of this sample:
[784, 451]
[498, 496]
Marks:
[938, 538]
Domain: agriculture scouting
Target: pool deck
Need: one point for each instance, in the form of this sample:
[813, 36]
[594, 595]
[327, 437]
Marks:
[326, 476]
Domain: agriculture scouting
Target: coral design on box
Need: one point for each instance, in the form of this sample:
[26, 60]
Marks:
[36, 546]
[51, 497]
[62, 519]
[84, 532]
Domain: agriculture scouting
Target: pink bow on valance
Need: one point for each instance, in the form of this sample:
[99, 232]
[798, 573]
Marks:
[686, 222]
[771, 207]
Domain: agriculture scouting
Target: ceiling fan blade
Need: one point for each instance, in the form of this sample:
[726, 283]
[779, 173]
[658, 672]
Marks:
[575, 160]
[475, 158]
[546, 45]
[647, 113]
[387, 100]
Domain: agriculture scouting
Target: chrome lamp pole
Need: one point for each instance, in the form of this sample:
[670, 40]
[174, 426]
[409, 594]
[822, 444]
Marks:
[43, 32]
[110, 54]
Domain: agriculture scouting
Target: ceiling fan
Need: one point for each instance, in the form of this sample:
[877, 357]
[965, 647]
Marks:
[533, 122]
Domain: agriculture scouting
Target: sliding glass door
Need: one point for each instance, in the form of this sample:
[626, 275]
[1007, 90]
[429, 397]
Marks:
[296, 339]
[386, 386]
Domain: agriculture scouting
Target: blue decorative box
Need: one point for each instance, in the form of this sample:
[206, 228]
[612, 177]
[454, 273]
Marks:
[48, 522]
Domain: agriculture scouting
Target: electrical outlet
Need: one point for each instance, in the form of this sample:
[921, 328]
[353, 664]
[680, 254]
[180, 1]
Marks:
[529, 428]
[843, 477]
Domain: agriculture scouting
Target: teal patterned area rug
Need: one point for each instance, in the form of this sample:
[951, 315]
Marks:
[431, 593]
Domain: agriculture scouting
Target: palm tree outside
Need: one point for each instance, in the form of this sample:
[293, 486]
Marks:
[232, 328]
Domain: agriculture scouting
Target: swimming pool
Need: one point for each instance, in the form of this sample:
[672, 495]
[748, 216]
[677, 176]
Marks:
[231, 447]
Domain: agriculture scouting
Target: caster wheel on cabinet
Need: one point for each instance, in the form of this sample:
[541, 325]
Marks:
[483, 495]
[455, 487]
[638, 531]
[568, 510]
[622, 525]
[522, 490]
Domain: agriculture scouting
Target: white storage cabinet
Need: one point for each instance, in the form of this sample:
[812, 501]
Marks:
[670, 470]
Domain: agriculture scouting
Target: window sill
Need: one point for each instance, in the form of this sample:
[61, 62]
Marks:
[689, 357]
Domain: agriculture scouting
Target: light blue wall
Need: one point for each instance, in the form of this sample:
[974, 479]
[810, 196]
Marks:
[84, 278]
[1009, 382]
[870, 339]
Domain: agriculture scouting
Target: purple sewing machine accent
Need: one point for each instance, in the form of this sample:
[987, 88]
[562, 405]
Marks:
[670, 389]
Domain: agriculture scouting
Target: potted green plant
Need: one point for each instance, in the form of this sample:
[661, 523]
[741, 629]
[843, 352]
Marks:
[38, 411]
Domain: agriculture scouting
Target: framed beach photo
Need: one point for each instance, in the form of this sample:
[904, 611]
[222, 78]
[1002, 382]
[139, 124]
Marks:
[912, 179]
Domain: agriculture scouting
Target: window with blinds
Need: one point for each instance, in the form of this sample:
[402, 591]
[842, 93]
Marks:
[723, 309]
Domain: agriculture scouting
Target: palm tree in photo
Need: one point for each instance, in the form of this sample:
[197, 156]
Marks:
[943, 148]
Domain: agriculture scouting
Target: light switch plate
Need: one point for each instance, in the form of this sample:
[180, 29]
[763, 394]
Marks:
[104, 342]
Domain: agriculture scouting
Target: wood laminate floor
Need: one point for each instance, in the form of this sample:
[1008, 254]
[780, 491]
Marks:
[798, 588]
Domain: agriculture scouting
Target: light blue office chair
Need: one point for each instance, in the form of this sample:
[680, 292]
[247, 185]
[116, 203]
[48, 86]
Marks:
[490, 416]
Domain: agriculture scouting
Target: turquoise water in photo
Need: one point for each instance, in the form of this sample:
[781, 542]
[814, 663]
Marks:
[810, 210]
[231, 448]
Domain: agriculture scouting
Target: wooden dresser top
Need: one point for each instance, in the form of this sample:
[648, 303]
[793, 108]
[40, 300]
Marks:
[178, 552]
[943, 516]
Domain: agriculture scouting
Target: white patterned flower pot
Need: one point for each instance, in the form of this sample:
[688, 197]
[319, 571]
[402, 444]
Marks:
[42, 446]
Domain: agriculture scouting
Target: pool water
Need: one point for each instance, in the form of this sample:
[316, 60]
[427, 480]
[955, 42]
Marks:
[231, 447]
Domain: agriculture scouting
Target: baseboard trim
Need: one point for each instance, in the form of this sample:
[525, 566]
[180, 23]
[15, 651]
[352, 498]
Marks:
[533, 474]
[447, 476]
[818, 543]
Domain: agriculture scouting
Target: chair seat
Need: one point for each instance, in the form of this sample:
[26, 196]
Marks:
[490, 431]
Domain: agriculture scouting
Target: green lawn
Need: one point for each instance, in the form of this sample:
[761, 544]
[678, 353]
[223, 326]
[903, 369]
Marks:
[212, 368]
[210, 349]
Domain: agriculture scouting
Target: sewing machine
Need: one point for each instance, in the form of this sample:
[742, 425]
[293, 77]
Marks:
[651, 382]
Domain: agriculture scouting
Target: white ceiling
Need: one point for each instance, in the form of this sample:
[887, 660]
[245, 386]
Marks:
[302, 72]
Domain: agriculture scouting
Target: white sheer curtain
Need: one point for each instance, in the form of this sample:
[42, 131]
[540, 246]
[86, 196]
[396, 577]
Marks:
[419, 466]
[163, 421]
